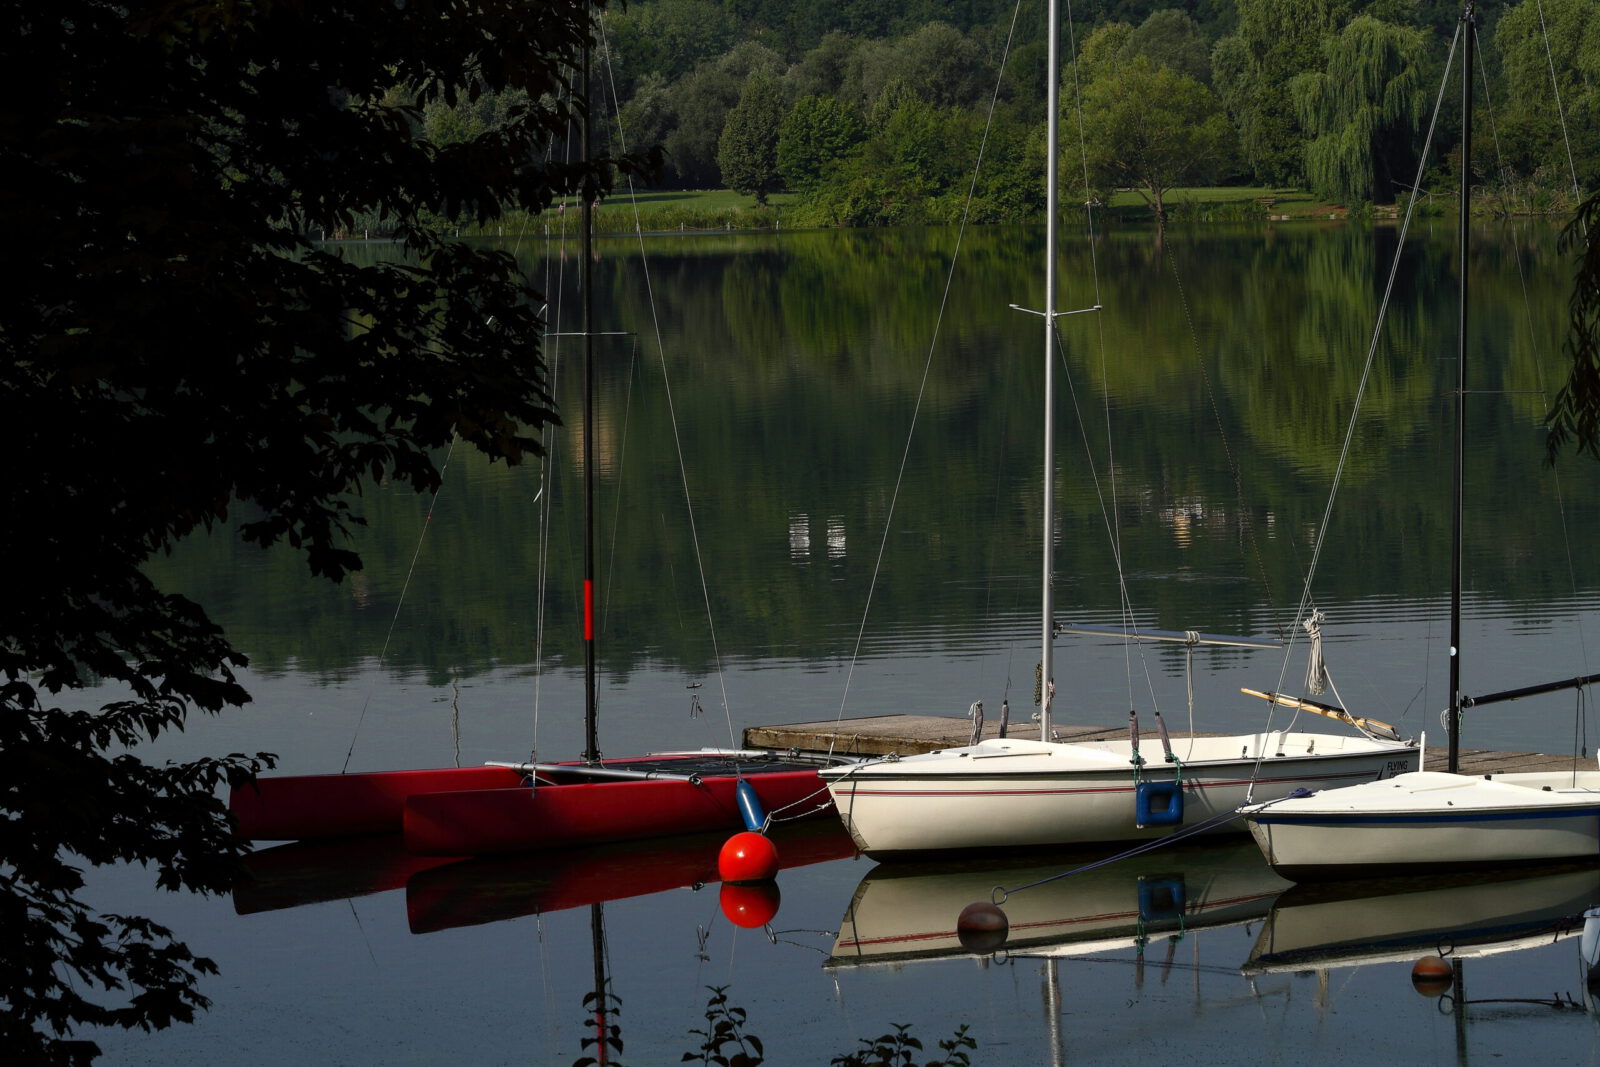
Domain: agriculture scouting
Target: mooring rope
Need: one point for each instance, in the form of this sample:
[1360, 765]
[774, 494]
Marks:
[1000, 894]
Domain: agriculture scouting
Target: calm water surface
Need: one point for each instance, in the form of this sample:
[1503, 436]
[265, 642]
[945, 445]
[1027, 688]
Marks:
[1206, 409]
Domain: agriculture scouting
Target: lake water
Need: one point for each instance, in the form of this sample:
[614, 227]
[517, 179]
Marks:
[1202, 426]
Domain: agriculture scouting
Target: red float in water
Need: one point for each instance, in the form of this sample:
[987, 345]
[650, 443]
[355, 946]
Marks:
[750, 905]
[748, 857]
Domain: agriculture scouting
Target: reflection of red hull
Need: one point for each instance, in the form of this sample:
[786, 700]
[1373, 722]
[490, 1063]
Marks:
[565, 814]
[478, 891]
[293, 807]
[313, 872]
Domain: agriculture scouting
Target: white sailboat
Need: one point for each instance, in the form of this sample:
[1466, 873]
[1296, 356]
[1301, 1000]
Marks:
[1440, 820]
[1009, 793]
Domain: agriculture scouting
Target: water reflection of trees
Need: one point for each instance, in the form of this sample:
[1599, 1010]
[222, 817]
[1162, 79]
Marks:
[1228, 359]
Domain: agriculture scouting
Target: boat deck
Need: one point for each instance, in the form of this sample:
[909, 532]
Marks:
[879, 735]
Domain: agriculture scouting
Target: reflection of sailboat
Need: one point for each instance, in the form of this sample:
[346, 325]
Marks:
[314, 872]
[1009, 793]
[1431, 820]
[493, 889]
[1349, 923]
[517, 806]
[443, 893]
[906, 912]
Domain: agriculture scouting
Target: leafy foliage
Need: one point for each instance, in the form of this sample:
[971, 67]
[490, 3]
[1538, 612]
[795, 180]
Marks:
[601, 1010]
[817, 132]
[1362, 109]
[1574, 416]
[180, 351]
[724, 1041]
[1153, 128]
[747, 152]
[899, 1047]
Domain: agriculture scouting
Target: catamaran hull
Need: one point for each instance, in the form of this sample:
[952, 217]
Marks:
[306, 806]
[934, 804]
[559, 815]
[1432, 822]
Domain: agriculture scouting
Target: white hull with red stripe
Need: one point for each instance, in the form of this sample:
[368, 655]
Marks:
[1013, 793]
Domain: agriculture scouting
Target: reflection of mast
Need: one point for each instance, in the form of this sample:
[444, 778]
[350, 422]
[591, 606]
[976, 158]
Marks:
[602, 1005]
[1052, 1011]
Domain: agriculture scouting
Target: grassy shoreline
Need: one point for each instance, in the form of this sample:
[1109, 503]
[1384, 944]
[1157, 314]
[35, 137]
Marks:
[722, 210]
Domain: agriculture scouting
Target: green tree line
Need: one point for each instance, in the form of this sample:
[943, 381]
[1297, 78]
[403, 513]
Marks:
[874, 114]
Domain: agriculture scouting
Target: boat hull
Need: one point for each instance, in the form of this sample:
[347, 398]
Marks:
[1024, 794]
[1431, 822]
[564, 814]
[307, 806]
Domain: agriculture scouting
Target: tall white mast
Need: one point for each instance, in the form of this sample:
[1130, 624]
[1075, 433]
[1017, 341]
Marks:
[1052, 128]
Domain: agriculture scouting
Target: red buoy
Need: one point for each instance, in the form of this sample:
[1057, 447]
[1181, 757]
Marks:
[982, 928]
[747, 857]
[1432, 976]
[750, 905]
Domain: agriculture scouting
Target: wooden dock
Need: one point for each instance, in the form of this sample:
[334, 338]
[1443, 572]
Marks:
[880, 735]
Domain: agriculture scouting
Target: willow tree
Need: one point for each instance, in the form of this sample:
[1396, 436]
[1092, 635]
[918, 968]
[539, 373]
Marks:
[1362, 109]
[1252, 68]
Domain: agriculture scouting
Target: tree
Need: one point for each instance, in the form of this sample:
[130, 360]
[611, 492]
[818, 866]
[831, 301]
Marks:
[1574, 416]
[1362, 109]
[1172, 39]
[1276, 40]
[181, 351]
[700, 104]
[667, 37]
[747, 152]
[1153, 129]
[817, 132]
[1551, 99]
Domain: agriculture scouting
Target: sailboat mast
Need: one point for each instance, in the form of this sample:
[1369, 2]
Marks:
[591, 747]
[1463, 216]
[1052, 136]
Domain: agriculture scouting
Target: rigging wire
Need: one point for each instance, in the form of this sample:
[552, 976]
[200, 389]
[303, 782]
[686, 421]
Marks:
[672, 411]
[1306, 598]
[551, 439]
[1555, 86]
[927, 366]
[1538, 361]
[405, 586]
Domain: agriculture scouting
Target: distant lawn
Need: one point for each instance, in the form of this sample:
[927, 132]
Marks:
[724, 209]
[712, 200]
[1295, 202]
[1284, 201]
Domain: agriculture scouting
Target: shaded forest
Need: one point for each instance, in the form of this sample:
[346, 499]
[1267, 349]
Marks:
[874, 114]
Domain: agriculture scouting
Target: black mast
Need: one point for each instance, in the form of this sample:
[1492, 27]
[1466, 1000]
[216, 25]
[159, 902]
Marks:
[591, 750]
[1467, 26]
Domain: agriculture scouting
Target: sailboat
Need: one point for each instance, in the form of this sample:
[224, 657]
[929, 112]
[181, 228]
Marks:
[1012, 792]
[515, 806]
[1440, 820]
